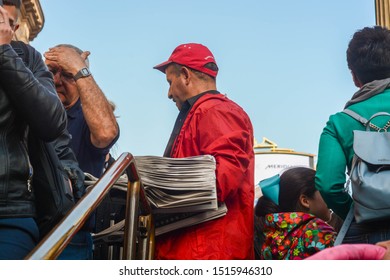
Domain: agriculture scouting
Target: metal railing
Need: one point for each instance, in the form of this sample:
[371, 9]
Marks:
[139, 229]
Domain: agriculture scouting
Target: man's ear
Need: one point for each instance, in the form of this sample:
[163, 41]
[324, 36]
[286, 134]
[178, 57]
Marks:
[186, 74]
[304, 201]
[356, 80]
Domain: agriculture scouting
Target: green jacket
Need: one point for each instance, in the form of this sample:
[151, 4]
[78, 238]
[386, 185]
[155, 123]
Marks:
[335, 151]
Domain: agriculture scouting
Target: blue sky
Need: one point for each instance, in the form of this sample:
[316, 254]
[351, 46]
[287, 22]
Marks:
[282, 61]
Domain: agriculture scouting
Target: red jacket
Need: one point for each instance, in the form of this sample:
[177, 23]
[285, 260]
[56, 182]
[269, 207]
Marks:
[217, 126]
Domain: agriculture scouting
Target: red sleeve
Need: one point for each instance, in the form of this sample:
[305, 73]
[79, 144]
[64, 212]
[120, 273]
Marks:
[227, 134]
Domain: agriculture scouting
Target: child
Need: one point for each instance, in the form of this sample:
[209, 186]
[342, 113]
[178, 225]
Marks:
[291, 217]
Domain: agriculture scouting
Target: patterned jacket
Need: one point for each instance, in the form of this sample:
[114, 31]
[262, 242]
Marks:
[294, 236]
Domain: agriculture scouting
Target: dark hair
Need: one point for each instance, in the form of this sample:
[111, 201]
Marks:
[15, 3]
[200, 75]
[368, 54]
[293, 183]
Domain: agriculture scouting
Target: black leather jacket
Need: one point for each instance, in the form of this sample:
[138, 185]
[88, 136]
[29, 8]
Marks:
[27, 99]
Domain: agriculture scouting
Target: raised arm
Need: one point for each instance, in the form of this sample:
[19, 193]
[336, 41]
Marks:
[97, 111]
[33, 96]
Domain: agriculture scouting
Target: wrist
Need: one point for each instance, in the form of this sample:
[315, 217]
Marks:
[82, 73]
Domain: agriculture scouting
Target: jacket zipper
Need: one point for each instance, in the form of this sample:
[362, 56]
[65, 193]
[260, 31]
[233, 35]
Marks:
[30, 168]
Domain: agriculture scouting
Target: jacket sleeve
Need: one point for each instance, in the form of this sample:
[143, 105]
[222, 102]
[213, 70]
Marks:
[228, 136]
[330, 174]
[70, 163]
[32, 93]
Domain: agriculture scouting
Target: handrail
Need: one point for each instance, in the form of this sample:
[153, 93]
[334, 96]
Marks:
[57, 239]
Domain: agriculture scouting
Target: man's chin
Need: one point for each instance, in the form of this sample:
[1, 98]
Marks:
[62, 97]
[178, 105]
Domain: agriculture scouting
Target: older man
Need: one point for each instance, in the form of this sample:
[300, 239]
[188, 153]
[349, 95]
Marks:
[91, 123]
[210, 123]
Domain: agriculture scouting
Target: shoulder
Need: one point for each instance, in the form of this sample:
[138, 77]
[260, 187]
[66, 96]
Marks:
[25, 47]
[321, 228]
[340, 125]
[217, 99]
[339, 117]
[219, 104]
[33, 58]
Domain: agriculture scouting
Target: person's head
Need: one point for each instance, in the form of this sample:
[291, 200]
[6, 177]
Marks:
[65, 85]
[13, 8]
[190, 70]
[368, 55]
[297, 193]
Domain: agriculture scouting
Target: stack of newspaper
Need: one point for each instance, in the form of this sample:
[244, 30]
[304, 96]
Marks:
[115, 232]
[176, 185]
[181, 192]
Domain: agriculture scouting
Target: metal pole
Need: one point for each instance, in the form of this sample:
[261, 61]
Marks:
[54, 243]
[382, 13]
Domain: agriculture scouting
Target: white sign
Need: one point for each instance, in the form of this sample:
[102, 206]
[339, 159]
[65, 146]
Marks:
[270, 164]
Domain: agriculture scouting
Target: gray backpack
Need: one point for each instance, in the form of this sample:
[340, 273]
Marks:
[370, 171]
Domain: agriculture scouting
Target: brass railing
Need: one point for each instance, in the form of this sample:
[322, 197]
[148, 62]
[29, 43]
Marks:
[139, 227]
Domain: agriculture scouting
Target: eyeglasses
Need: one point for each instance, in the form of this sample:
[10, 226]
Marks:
[63, 75]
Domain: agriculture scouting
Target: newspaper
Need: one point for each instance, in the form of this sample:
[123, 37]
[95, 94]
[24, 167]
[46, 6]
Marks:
[166, 224]
[181, 192]
[169, 223]
[176, 185]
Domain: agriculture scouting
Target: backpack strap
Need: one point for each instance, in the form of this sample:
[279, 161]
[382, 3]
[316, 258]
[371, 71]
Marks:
[356, 116]
[344, 228]
[367, 123]
[23, 52]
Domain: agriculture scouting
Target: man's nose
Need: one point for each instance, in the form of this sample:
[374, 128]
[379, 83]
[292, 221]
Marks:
[57, 78]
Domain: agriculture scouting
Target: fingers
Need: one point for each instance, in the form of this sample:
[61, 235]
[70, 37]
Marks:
[47, 55]
[6, 32]
[85, 54]
[67, 58]
[385, 244]
[57, 53]
[4, 18]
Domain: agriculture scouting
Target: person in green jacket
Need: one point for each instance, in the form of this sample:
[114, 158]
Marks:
[368, 57]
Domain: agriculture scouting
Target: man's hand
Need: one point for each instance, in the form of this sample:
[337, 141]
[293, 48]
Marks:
[386, 245]
[68, 59]
[6, 32]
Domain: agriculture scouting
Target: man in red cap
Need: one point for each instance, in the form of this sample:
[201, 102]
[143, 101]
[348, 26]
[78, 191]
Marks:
[210, 123]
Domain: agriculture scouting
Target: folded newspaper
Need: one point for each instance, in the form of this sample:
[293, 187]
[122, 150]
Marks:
[175, 185]
[181, 192]
[167, 224]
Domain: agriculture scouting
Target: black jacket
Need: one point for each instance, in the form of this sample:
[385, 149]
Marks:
[27, 99]
[70, 164]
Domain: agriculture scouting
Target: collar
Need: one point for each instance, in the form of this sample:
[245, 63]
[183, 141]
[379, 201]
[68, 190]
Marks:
[73, 111]
[369, 90]
[191, 101]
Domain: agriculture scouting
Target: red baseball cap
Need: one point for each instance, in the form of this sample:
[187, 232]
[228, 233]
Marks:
[192, 55]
